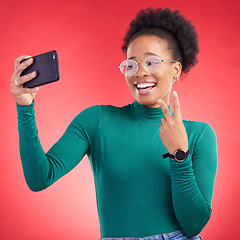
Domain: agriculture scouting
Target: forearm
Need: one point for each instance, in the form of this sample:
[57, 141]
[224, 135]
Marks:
[34, 160]
[191, 208]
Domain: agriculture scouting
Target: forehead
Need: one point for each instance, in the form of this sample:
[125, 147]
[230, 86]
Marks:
[148, 43]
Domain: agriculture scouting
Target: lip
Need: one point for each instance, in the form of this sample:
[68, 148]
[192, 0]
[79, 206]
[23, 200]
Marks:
[144, 91]
[144, 81]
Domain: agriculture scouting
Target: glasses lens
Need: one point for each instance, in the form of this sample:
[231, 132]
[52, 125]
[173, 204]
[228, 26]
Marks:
[152, 64]
[128, 67]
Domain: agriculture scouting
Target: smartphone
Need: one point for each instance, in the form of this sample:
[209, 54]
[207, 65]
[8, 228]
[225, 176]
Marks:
[46, 66]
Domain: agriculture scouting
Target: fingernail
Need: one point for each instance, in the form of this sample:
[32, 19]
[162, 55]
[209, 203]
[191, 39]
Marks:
[159, 101]
[34, 73]
[29, 60]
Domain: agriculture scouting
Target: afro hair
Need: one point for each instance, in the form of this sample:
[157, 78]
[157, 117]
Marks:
[170, 25]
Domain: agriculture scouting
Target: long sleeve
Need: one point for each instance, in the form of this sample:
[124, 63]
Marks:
[40, 169]
[138, 192]
[193, 181]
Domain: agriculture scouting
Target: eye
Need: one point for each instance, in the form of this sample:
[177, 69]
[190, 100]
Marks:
[152, 62]
[129, 67]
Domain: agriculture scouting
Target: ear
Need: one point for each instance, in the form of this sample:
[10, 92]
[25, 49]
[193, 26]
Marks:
[177, 70]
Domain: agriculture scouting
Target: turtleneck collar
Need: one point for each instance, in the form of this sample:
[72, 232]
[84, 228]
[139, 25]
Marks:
[147, 114]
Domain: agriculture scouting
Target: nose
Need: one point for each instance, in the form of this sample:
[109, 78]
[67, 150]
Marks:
[141, 72]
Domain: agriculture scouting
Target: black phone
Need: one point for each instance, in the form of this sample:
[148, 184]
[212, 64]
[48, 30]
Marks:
[46, 66]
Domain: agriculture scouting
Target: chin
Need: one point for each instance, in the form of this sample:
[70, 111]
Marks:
[147, 102]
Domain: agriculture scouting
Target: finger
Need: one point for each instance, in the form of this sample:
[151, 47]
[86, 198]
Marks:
[164, 108]
[163, 120]
[23, 65]
[19, 59]
[28, 90]
[18, 70]
[26, 78]
[176, 105]
[18, 90]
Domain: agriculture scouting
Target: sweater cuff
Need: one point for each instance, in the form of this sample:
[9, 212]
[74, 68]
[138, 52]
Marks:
[26, 117]
[25, 108]
[186, 165]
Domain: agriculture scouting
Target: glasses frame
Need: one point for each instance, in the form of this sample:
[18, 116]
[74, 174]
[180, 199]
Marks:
[137, 63]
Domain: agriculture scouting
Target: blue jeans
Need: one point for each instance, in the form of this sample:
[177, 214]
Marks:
[178, 235]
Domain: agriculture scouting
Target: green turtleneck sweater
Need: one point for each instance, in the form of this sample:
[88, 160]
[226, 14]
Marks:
[138, 192]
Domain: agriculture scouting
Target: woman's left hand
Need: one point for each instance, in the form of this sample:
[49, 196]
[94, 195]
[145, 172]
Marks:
[172, 131]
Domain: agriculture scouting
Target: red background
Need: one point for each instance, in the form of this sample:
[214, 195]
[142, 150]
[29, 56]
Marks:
[88, 37]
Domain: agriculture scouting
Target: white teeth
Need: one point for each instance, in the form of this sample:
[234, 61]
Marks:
[145, 85]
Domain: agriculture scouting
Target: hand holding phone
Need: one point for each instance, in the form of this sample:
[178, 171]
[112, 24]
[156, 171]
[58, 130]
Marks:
[46, 67]
[24, 78]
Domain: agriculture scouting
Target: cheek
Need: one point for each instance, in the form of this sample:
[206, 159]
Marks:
[163, 76]
[129, 81]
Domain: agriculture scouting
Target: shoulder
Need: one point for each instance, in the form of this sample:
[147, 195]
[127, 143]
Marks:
[87, 115]
[195, 126]
[93, 118]
[200, 131]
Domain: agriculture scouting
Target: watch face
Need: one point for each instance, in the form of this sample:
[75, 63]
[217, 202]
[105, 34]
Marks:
[180, 155]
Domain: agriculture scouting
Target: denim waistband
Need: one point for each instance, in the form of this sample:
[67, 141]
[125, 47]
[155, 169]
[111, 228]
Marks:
[168, 236]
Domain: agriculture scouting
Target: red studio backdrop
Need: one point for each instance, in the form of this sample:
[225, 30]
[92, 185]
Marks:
[88, 37]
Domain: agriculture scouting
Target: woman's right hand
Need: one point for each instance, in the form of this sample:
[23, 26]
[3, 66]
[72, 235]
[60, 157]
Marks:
[23, 96]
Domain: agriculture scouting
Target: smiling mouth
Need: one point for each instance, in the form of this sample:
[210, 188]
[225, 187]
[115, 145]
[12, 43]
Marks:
[144, 88]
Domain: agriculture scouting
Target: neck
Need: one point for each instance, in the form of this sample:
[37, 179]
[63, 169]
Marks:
[147, 113]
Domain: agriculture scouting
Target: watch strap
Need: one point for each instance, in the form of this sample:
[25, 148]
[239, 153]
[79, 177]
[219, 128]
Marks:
[168, 155]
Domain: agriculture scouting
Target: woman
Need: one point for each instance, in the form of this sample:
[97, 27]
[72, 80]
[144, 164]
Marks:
[154, 172]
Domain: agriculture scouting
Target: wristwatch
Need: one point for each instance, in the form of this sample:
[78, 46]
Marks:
[180, 155]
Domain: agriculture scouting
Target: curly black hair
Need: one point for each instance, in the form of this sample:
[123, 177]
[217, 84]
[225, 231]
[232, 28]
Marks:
[170, 25]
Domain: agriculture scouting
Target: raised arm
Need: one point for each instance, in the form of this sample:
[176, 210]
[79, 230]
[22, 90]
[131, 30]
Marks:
[193, 179]
[41, 169]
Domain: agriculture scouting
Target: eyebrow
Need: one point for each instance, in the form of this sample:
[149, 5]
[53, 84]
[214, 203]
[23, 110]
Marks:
[147, 54]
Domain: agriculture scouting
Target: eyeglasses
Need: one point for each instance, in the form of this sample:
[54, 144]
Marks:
[151, 64]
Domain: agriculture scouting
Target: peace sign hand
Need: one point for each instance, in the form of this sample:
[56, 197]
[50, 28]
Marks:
[172, 131]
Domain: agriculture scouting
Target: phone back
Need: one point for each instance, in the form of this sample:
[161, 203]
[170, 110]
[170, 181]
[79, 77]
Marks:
[46, 66]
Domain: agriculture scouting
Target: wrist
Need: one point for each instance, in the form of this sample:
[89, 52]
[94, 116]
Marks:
[24, 102]
[179, 155]
[25, 108]
[172, 151]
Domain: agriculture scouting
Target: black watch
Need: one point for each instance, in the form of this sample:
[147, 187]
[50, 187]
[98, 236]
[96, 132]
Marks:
[180, 155]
